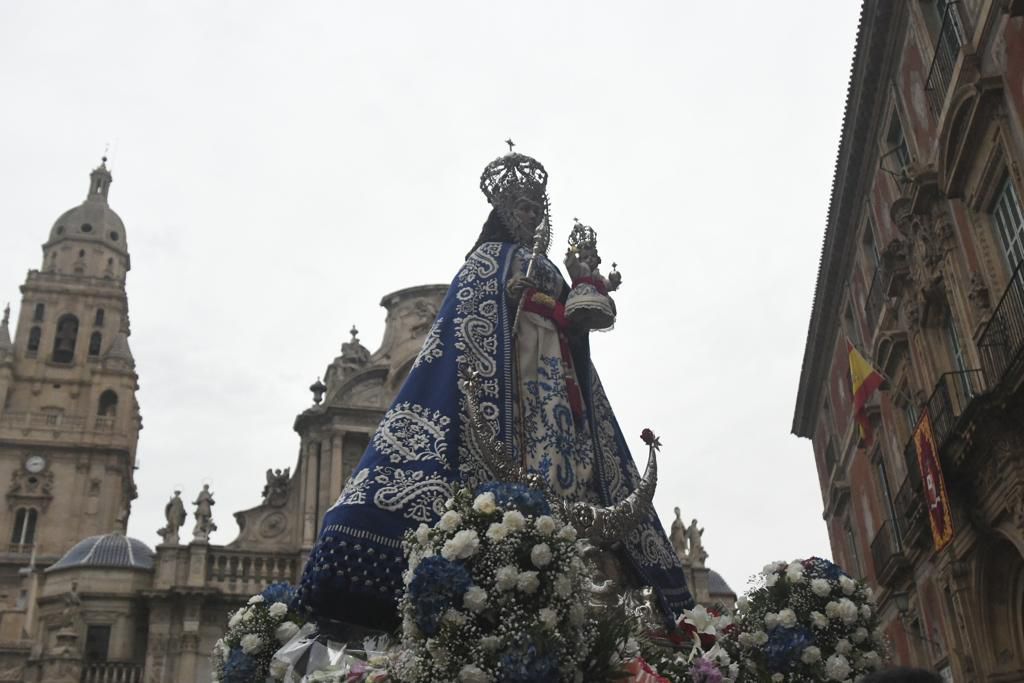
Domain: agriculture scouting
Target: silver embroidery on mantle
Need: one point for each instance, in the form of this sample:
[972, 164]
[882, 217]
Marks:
[417, 495]
[409, 432]
[433, 347]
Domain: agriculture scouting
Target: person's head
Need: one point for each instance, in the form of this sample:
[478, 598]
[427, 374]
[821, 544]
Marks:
[902, 675]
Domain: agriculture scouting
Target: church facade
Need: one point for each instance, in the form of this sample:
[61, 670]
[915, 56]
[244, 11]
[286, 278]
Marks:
[81, 601]
[921, 273]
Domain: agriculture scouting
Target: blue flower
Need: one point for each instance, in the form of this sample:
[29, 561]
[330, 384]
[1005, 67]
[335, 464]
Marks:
[240, 667]
[821, 567]
[524, 663]
[279, 592]
[517, 496]
[436, 585]
[785, 645]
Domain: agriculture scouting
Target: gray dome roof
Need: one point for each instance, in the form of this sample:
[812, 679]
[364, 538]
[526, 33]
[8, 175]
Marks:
[93, 220]
[717, 585]
[109, 550]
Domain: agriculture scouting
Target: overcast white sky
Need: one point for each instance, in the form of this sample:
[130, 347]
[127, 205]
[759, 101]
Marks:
[281, 166]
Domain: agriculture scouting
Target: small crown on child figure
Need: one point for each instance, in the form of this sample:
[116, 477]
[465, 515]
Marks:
[582, 236]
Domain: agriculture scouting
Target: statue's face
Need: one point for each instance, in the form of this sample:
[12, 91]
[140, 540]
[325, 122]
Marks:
[589, 256]
[526, 216]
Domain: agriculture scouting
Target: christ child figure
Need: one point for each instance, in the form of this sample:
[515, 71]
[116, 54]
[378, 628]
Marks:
[588, 304]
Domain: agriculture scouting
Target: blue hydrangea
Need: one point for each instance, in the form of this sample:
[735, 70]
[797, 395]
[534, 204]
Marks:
[436, 585]
[240, 667]
[279, 592]
[821, 567]
[785, 645]
[517, 496]
[525, 663]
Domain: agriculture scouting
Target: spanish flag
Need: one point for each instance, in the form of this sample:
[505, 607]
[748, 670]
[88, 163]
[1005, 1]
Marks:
[866, 381]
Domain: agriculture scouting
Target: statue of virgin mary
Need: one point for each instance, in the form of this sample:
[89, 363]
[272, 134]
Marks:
[538, 392]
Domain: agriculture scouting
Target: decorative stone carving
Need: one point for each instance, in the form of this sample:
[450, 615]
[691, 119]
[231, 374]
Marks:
[29, 487]
[204, 515]
[174, 513]
[696, 553]
[275, 492]
[978, 294]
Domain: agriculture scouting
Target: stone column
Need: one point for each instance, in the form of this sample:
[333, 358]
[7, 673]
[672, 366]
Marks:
[309, 521]
[158, 641]
[197, 563]
[189, 657]
[337, 474]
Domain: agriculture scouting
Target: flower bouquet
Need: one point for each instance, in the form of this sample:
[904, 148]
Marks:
[254, 634]
[689, 652]
[808, 621]
[497, 590]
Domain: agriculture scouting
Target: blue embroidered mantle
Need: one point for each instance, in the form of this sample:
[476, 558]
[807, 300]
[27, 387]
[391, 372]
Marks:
[420, 455]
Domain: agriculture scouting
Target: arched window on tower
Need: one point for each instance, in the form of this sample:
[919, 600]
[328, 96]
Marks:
[108, 404]
[98, 322]
[64, 342]
[33, 340]
[39, 313]
[95, 341]
[24, 531]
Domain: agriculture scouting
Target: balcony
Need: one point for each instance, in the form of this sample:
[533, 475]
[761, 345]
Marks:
[876, 300]
[914, 525]
[112, 672]
[887, 554]
[947, 50]
[243, 573]
[953, 393]
[1002, 341]
[56, 425]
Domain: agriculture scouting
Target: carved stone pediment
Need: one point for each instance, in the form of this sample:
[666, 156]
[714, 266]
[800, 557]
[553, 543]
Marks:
[29, 488]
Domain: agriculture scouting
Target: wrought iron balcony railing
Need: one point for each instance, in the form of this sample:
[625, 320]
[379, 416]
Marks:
[953, 393]
[876, 300]
[1002, 341]
[947, 50]
[910, 504]
[887, 553]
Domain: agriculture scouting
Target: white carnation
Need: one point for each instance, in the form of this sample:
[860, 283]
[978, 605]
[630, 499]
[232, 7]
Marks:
[485, 503]
[461, 546]
[843, 646]
[278, 669]
[453, 616]
[278, 610]
[860, 635]
[795, 572]
[490, 643]
[528, 582]
[847, 584]
[286, 631]
[567, 533]
[236, 617]
[745, 638]
[514, 520]
[540, 555]
[742, 603]
[563, 586]
[832, 609]
[760, 637]
[576, 614]
[423, 534]
[821, 587]
[475, 599]
[450, 521]
[771, 580]
[847, 611]
[251, 643]
[772, 567]
[771, 620]
[837, 668]
[819, 620]
[472, 674]
[865, 612]
[497, 532]
[506, 577]
[810, 655]
[545, 525]
[872, 659]
[787, 618]
[256, 599]
[548, 618]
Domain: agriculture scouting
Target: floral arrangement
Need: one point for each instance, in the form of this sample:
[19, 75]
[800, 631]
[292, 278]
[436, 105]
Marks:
[255, 632]
[806, 621]
[496, 590]
[690, 652]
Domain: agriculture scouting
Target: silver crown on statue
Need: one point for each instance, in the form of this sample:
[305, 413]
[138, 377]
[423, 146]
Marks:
[513, 176]
[582, 236]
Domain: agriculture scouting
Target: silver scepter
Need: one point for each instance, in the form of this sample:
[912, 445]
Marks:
[539, 238]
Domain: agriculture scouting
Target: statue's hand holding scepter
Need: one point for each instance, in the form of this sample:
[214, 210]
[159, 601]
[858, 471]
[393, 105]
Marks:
[518, 285]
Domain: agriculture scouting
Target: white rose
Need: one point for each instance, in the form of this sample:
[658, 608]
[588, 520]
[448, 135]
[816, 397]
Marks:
[528, 582]
[236, 617]
[771, 620]
[848, 585]
[286, 631]
[837, 668]
[567, 533]
[450, 521]
[771, 580]
[256, 599]
[860, 635]
[821, 587]
[563, 586]
[497, 532]
[485, 503]
[278, 669]
[847, 611]
[843, 646]
[545, 525]
[810, 655]
[514, 520]
[540, 555]
[278, 610]
[464, 544]
[819, 620]
[490, 643]
[787, 618]
[472, 674]
[423, 534]
[475, 599]
[506, 577]
[795, 572]
[251, 643]
[548, 617]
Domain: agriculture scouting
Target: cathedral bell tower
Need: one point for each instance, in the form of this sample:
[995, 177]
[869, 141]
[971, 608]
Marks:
[69, 421]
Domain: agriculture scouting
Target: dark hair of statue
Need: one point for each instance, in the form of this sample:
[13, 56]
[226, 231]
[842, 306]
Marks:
[494, 230]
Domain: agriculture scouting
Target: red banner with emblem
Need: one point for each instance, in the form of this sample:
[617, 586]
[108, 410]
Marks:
[939, 513]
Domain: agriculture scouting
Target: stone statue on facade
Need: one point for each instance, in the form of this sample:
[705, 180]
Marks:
[174, 513]
[275, 492]
[204, 515]
[677, 536]
[354, 356]
[696, 554]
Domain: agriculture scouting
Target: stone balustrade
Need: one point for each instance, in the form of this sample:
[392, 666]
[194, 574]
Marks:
[245, 573]
[112, 672]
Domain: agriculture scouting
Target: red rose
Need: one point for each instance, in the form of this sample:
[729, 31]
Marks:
[648, 436]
